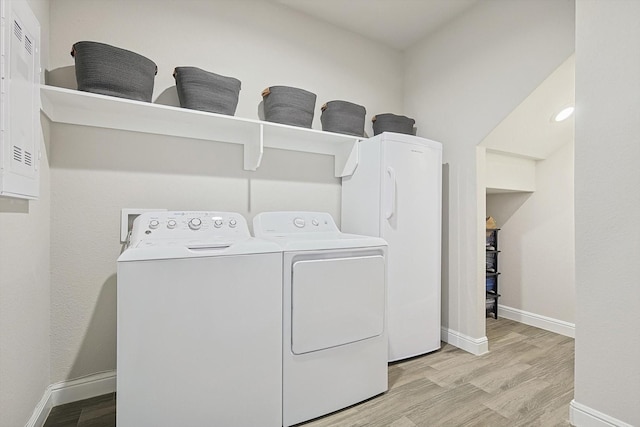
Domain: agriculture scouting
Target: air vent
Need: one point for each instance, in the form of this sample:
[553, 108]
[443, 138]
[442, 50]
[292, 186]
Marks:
[17, 154]
[27, 44]
[17, 30]
[20, 121]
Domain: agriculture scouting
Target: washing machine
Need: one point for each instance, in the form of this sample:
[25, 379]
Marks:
[199, 323]
[334, 348]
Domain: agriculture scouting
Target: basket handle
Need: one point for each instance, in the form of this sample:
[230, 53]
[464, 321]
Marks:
[266, 92]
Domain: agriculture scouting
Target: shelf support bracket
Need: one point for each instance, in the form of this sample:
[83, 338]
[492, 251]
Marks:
[253, 151]
[346, 159]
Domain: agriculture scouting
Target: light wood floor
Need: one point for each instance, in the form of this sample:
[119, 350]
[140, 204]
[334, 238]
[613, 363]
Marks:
[525, 380]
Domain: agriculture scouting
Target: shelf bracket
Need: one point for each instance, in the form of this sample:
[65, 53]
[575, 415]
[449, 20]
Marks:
[346, 159]
[253, 151]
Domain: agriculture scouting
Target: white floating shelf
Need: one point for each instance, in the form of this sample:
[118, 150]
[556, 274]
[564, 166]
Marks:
[88, 109]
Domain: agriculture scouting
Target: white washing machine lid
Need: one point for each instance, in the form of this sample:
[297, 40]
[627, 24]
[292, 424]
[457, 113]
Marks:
[191, 234]
[147, 251]
[305, 231]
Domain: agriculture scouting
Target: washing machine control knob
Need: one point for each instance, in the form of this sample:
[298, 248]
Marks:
[195, 223]
[232, 223]
[217, 223]
[153, 224]
[315, 222]
[171, 224]
[299, 222]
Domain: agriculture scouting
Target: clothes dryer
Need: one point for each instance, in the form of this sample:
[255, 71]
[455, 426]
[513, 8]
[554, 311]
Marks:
[199, 323]
[334, 348]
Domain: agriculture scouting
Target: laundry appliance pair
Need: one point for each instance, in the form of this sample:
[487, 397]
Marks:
[216, 327]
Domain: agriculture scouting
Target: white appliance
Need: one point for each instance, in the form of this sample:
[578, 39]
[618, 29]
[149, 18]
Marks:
[396, 193]
[19, 101]
[199, 323]
[334, 349]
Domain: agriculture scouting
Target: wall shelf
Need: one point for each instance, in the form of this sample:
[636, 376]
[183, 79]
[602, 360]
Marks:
[88, 109]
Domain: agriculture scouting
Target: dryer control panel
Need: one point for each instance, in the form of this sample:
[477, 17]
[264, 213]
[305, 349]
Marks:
[286, 223]
[188, 225]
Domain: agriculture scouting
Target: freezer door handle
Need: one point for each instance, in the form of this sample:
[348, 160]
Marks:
[390, 207]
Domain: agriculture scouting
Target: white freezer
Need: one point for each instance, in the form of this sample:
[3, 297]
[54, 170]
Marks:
[396, 193]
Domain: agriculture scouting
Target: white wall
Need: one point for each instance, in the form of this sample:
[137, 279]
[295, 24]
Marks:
[607, 210]
[24, 286]
[459, 84]
[95, 173]
[505, 172]
[537, 238]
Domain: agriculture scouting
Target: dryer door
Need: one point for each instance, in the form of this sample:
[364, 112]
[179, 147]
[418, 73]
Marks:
[336, 301]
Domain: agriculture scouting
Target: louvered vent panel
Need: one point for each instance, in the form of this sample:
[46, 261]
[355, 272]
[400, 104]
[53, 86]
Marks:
[17, 30]
[17, 154]
[28, 45]
[20, 121]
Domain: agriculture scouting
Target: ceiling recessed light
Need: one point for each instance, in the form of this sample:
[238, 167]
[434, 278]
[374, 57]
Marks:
[564, 114]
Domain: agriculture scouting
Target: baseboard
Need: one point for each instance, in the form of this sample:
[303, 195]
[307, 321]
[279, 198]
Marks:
[475, 346]
[547, 323]
[71, 391]
[41, 412]
[583, 416]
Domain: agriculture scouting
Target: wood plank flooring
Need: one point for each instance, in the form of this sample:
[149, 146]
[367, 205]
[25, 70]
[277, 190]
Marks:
[526, 379]
[95, 412]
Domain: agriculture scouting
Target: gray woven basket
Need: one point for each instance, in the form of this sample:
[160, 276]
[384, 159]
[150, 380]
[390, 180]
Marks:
[392, 123]
[343, 117]
[289, 106]
[205, 91]
[109, 70]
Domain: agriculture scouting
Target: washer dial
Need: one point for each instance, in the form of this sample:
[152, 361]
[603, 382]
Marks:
[195, 223]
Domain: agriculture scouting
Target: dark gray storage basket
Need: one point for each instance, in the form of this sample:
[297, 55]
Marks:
[109, 70]
[392, 123]
[289, 106]
[343, 117]
[205, 91]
